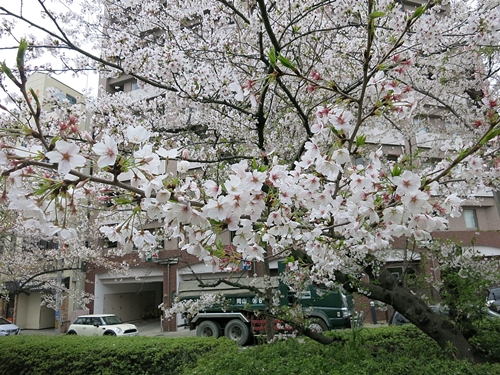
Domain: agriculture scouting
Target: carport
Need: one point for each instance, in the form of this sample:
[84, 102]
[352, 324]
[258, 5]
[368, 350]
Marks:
[129, 297]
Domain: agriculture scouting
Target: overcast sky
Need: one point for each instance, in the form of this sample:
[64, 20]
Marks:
[32, 10]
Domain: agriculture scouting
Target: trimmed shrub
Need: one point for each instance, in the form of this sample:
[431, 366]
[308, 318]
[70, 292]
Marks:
[487, 339]
[43, 355]
[384, 351]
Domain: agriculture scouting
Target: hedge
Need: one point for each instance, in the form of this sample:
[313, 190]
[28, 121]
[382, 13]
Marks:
[75, 355]
[380, 351]
[387, 351]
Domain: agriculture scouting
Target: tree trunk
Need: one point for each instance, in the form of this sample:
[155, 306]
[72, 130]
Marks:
[436, 326]
[269, 316]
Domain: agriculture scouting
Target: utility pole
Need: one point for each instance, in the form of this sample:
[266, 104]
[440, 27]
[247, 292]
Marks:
[168, 262]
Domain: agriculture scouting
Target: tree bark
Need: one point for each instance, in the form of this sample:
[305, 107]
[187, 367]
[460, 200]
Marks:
[434, 325]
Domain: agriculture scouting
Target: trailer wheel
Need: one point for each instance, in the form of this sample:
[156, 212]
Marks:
[318, 325]
[208, 328]
[237, 331]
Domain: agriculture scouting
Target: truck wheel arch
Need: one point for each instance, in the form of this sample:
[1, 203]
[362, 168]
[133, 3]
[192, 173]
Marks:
[317, 325]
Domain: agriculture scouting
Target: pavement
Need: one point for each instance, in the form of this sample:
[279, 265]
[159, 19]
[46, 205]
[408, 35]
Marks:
[148, 328]
[152, 328]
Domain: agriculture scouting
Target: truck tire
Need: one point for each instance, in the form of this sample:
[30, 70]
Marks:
[237, 331]
[318, 325]
[207, 328]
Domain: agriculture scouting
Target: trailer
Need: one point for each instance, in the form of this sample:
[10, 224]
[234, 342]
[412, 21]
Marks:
[242, 316]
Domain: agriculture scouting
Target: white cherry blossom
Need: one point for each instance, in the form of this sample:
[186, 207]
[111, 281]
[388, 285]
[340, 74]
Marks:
[137, 134]
[107, 151]
[67, 156]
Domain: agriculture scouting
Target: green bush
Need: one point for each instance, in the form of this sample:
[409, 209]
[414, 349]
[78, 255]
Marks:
[487, 338]
[384, 351]
[54, 355]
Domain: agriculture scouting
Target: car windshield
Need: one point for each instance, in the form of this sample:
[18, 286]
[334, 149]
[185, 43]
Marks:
[4, 321]
[110, 320]
[494, 294]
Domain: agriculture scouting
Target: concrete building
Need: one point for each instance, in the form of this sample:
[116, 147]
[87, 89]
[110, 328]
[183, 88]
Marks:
[41, 82]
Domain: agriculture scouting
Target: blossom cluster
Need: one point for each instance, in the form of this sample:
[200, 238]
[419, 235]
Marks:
[239, 131]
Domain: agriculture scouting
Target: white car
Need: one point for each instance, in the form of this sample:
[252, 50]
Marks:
[101, 325]
[8, 329]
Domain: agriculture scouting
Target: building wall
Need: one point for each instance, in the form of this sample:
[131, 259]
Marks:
[31, 315]
[21, 315]
[40, 82]
[129, 306]
[487, 216]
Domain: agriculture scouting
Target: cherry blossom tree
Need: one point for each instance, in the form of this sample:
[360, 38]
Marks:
[30, 261]
[286, 107]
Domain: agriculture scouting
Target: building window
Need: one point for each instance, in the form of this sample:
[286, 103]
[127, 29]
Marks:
[470, 219]
[119, 87]
[71, 99]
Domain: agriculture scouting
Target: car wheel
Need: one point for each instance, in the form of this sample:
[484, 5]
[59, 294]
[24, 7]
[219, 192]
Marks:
[71, 333]
[318, 326]
[109, 333]
[208, 328]
[237, 331]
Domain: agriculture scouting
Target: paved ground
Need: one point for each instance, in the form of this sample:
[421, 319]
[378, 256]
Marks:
[149, 328]
[152, 328]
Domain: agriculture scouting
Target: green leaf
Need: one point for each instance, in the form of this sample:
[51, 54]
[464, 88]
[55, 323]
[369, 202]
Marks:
[464, 153]
[8, 72]
[219, 244]
[42, 189]
[123, 200]
[419, 11]
[376, 15]
[490, 135]
[396, 171]
[286, 63]
[35, 96]
[360, 140]
[23, 47]
[334, 131]
[272, 56]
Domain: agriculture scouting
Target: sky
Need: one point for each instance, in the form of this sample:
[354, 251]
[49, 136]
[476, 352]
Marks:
[31, 9]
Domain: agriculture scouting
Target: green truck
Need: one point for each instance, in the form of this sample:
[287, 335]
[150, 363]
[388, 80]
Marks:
[241, 317]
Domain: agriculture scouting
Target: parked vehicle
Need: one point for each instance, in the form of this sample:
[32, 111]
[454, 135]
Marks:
[7, 328]
[398, 319]
[242, 318]
[493, 299]
[101, 325]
